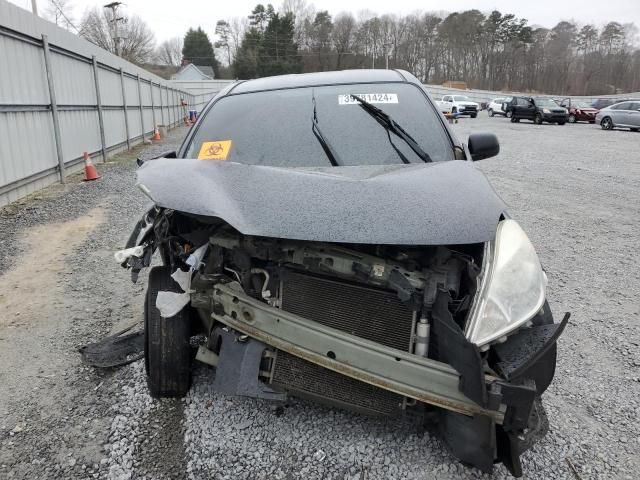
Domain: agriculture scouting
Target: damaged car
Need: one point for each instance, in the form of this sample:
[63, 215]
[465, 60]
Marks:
[327, 236]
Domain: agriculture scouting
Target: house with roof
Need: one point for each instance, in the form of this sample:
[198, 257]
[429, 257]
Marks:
[194, 72]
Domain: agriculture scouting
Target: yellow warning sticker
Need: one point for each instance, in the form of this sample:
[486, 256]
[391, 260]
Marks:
[217, 150]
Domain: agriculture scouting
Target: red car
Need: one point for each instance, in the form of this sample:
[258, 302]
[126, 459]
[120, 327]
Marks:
[579, 111]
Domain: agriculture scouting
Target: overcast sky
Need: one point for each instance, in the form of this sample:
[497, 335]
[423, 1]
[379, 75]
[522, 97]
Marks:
[171, 18]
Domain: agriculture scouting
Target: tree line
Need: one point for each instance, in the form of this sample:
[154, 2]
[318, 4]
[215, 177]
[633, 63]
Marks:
[492, 50]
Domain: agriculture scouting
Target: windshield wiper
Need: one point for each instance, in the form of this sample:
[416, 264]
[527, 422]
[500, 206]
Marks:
[328, 150]
[391, 125]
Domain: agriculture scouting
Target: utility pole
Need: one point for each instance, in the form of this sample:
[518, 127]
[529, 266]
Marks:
[34, 7]
[386, 55]
[116, 38]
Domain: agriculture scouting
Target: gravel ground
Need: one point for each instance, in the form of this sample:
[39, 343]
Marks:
[575, 189]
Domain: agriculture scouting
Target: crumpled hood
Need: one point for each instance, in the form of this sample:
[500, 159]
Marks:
[428, 204]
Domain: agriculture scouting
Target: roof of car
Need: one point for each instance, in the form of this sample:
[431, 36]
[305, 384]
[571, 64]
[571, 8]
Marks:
[321, 78]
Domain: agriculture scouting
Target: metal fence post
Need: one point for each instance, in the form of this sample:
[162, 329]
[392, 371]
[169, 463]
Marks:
[124, 106]
[153, 107]
[54, 108]
[140, 105]
[162, 106]
[99, 103]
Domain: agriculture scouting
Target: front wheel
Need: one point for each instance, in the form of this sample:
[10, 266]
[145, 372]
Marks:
[474, 115]
[509, 114]
[454, 110]
[167, 347]
[491, 114]
[606, 123]
[572, 118]
[537, 119]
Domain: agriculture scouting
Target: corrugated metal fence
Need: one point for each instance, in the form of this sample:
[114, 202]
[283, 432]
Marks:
[61, 96]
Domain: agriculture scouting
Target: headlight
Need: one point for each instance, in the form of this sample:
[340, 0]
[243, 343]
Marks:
[546, 110]
[511, 286]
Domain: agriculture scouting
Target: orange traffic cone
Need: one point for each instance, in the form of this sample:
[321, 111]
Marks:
[90, 171]
[156, 134]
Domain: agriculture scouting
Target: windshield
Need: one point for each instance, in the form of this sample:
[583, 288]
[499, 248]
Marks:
[275, 127]
[545, 102]
[581, 104]
[461, 98]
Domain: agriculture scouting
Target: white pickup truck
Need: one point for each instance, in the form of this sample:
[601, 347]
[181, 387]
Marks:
[460, 104]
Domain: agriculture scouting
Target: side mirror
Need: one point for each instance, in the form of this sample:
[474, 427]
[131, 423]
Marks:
[483, 145]
[167, 154]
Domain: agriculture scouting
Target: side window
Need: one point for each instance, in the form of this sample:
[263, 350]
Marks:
[622, 106]
[635, 106]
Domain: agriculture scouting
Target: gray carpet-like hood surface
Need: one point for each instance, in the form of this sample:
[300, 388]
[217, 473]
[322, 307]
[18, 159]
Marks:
[427, 204]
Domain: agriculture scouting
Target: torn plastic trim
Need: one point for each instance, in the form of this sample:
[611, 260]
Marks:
[170, 303]
[401, 372]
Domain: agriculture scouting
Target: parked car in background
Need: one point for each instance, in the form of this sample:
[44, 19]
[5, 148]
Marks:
[620, 115]
[579, 110]
[459, 104]
[538, 110]
[495, 107]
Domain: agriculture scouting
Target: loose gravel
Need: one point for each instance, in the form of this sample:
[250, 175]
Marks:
[574, 188]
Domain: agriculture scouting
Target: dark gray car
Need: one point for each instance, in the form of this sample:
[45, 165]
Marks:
[329, 237]
[620, 115]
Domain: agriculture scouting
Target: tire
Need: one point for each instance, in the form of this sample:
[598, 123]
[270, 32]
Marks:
[454, 110]
[513, 119]
[635, 129]
[606, 123]
[572, 118]
[560, 123]
[474, 115]
[537, 119]
[167, 350]
[509, 114]
[491, 114]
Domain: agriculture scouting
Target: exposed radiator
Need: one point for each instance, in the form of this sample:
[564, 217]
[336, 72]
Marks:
[365, 312]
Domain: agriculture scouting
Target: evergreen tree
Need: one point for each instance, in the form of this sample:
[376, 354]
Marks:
[278, 51]
[268, 46]
[198, 49]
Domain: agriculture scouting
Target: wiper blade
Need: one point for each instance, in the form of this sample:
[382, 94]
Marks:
[391, 125]
[328, 150]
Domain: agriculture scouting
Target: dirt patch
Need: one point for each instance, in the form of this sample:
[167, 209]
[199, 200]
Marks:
[28, 291]
[33, 310]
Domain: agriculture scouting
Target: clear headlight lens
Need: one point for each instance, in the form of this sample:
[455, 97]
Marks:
[546, 110]
[512, 286]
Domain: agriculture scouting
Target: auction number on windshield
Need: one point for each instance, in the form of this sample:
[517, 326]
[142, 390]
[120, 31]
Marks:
[347, 99]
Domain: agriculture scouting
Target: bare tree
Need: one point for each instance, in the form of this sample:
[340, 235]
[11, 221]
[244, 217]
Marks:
[169, 52]
[60, 12]
[135, 42]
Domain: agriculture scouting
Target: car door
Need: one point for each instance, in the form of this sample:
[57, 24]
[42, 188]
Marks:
[620, 114]
[633, 115]
[528, 109]
[518, 107]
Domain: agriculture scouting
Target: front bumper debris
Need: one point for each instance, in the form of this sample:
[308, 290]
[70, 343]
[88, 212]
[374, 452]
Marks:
[423, 379]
